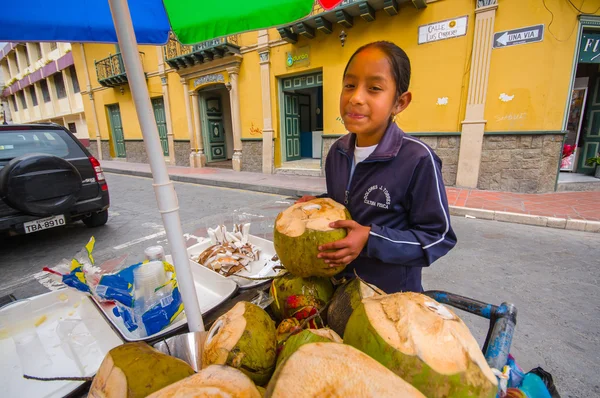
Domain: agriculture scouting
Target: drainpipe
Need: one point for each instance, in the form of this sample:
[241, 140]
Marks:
[91, 95]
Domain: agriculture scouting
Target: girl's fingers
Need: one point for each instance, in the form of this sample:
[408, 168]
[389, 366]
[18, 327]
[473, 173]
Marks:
[334, 256]
[338, 244]
[345, 261]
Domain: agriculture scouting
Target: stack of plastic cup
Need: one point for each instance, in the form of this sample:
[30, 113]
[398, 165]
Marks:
[147, 278]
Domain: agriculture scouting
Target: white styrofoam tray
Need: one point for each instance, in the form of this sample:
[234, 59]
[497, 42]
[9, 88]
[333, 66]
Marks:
[72, 341]
[212, 290]
[263, 267]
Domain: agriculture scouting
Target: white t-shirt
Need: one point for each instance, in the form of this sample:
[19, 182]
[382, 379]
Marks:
[360, 154]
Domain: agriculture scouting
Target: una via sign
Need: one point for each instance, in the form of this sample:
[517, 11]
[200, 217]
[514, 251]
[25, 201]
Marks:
[529, 34]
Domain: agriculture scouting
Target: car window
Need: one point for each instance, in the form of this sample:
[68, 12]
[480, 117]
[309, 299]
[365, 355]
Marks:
[51, 142]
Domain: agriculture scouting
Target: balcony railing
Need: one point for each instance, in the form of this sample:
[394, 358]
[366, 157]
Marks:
[111, 71]
[180, 56]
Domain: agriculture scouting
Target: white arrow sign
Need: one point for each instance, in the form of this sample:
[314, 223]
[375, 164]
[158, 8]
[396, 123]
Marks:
[530, 34]
[503, 39]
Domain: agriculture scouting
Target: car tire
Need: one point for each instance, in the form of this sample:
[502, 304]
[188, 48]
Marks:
[96, 219]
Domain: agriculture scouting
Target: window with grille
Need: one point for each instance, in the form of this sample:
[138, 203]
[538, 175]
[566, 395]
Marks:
[72, 128]
[22, 99]
[33, 96]
[45, 91]
[14, 102]
[59, 82]
[74, 79]
[53, 46]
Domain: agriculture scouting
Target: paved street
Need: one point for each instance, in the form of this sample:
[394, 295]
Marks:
[134, 224]
[551, 275]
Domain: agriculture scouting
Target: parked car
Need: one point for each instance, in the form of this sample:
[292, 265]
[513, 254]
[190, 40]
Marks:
[48, 179]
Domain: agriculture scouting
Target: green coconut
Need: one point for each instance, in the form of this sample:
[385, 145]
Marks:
[423, 342]
[213, 381]
[335, 370]
[136, 370]
[307, 336]
[345, 300]
[243, 338]
[301, 228]
[298, 297]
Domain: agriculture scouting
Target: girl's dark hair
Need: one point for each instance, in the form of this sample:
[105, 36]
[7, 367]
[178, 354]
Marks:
[398, 61]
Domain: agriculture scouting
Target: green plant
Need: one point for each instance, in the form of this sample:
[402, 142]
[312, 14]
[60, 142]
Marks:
[595, 161]
[68, 50]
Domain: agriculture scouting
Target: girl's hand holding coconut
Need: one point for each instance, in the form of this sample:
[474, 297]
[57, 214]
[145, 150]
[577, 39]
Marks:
[348, 248]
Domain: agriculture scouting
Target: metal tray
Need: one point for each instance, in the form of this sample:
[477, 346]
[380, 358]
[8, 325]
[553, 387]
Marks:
[72, 341]
[212, 290]
[263, 267]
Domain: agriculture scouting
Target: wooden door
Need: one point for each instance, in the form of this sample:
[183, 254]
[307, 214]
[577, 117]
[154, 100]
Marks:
[158, 106]
[116, 129]
[292, 127]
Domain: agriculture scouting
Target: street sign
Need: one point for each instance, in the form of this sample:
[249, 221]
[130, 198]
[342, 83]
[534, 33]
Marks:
[442, 30]
[529, 34]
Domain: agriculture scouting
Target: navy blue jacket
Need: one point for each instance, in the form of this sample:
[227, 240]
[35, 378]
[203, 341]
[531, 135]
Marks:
[398, 191]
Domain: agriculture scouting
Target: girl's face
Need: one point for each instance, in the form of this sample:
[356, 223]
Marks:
[369, 96]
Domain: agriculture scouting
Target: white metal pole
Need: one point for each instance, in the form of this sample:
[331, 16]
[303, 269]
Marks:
[168, 206]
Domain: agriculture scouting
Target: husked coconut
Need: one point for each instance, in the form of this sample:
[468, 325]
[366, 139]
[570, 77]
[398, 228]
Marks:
[301, 228]
[335, 370]
[423, 342]
[243, 338]
[345, 300]
[307, 336]
[214, 381]
[135, 370]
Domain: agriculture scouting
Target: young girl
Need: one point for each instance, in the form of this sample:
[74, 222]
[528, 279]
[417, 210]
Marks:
[390, 182]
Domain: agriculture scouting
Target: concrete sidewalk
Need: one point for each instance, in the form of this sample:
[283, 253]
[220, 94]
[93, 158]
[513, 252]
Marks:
[564, 210]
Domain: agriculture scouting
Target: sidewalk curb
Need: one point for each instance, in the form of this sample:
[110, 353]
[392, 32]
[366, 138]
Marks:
[527, 219]
[220, 183]
[515, 218]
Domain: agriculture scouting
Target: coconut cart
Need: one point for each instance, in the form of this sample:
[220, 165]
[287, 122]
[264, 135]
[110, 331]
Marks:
[93, 22]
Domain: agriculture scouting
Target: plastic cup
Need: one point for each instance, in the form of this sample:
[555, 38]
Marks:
[155, 253]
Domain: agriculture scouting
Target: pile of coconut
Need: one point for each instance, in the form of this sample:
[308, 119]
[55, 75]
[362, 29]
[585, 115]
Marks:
[230, 252]
[315, 339]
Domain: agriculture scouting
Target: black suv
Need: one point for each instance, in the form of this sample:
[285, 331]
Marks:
[48, 179]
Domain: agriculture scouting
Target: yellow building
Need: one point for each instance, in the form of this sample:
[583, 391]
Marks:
[492, 83]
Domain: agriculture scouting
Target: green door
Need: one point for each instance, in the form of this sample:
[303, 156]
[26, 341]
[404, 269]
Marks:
[215, 130]
[158, 106]
[292, 127]
[591, 140]
[116, 129]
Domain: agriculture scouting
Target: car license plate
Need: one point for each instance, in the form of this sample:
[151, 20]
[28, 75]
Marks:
[44, 223]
